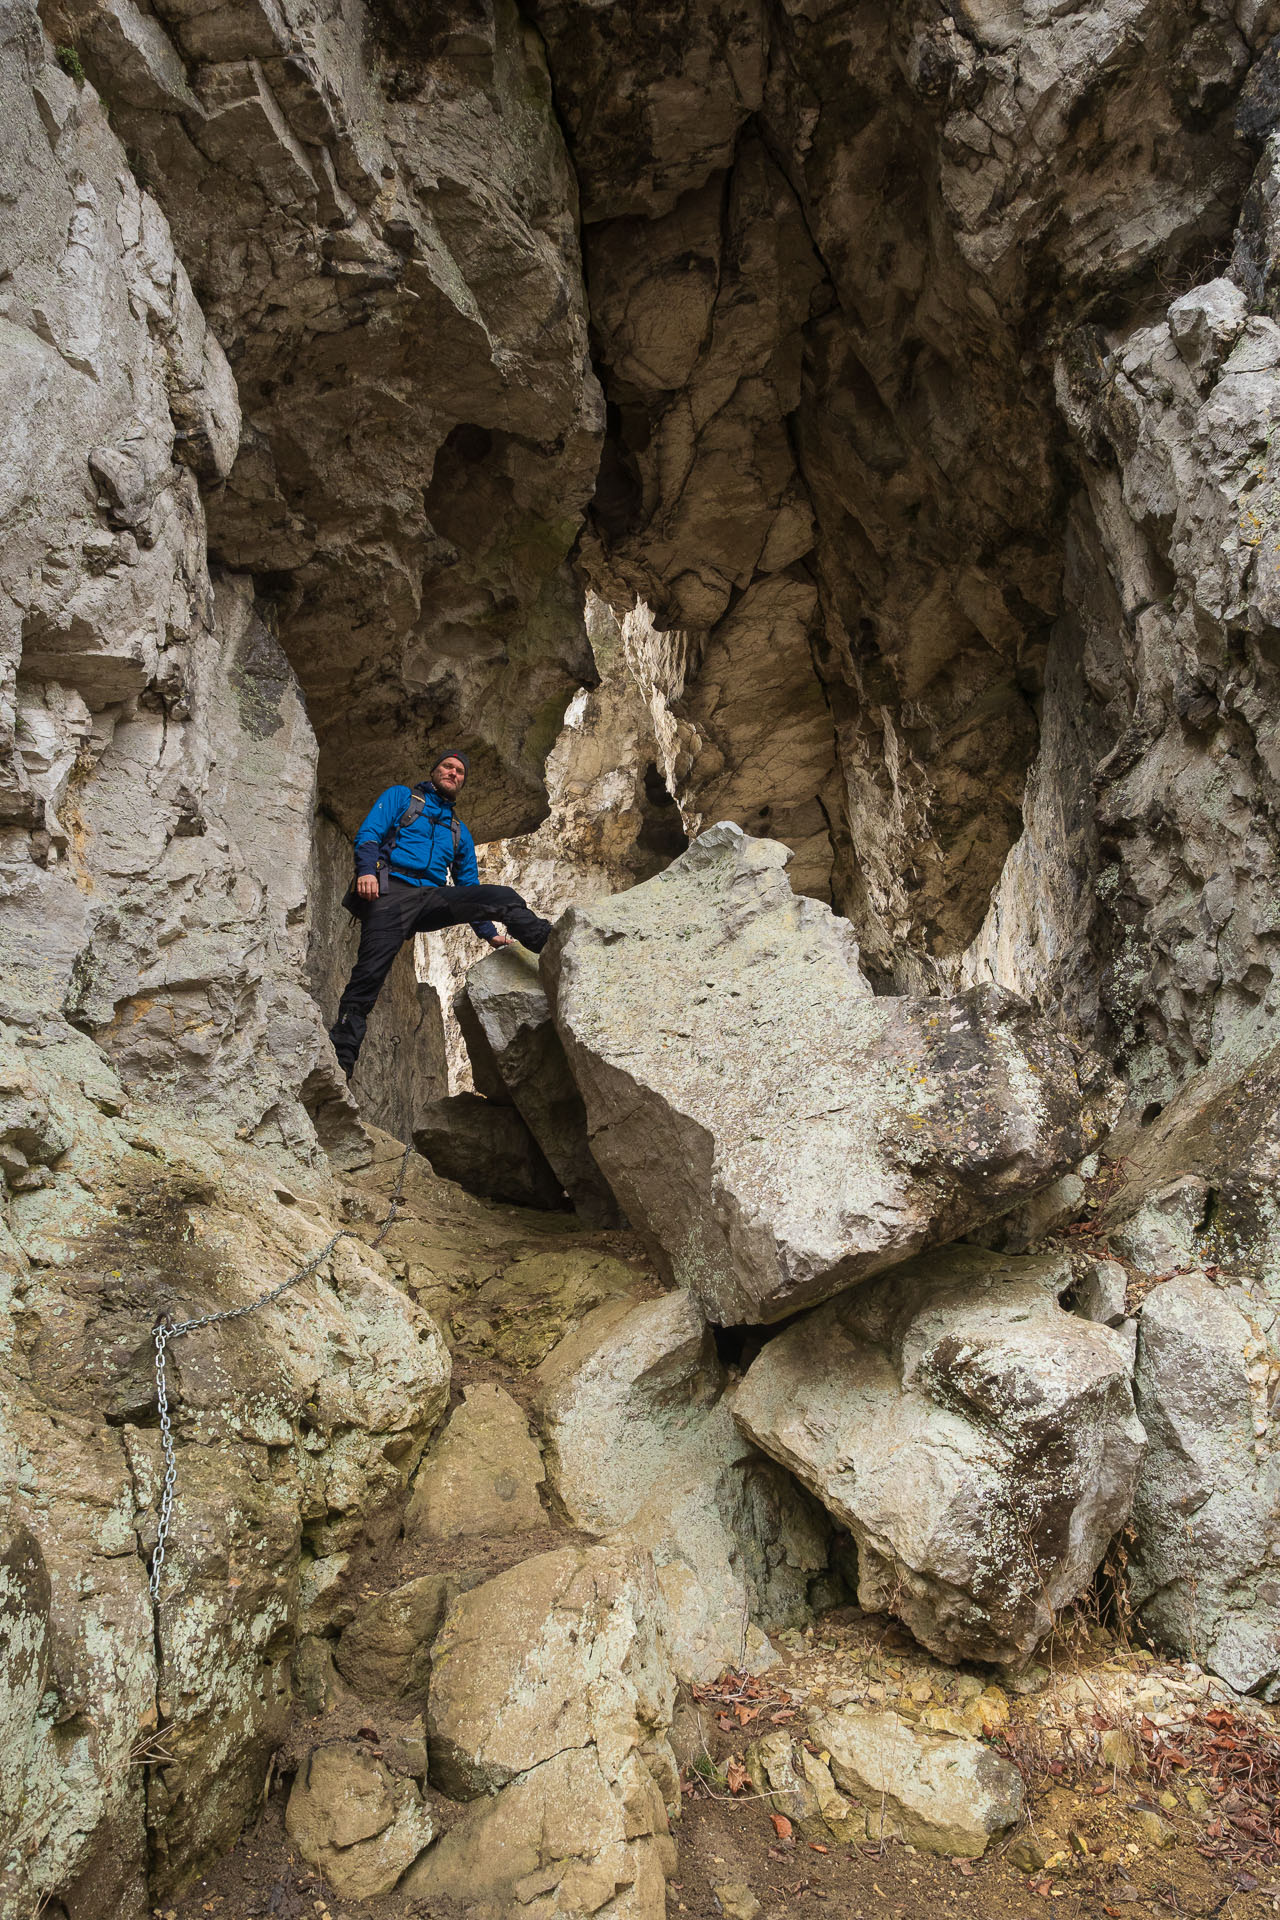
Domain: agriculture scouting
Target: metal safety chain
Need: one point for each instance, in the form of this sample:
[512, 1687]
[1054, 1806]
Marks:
[168, 1331]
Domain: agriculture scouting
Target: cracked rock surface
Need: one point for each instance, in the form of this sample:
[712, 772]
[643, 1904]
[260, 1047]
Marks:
[777, 1130]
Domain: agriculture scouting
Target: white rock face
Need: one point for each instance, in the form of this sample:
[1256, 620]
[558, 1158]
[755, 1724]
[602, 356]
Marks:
[425, 419]
[1140, 895]
[1205, 1567]
[157, 798]
[776, 1130]
[641, 1445]
[979, 1443]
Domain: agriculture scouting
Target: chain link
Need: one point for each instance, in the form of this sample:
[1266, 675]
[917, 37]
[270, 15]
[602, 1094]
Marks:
[169, 1330]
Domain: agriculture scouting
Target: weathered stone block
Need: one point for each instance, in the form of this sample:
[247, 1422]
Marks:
[980, 1444]
[511, 1038]
[775, 1129]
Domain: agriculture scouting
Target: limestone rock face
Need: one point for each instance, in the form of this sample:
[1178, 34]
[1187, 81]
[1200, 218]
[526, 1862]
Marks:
[775, 1129]
[305, 468]
[1155, 786]
[1198, 1181]
[979, 1443]
[1205, 1565]
[513, 1041]
[937, 1792]
[115, 1217]
[868, 344]
[355, 1822]
[424, 421]
[641, 1446]
[159, 767]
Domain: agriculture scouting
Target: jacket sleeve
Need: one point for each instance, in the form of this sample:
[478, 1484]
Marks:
[467, 874]
[377, 824]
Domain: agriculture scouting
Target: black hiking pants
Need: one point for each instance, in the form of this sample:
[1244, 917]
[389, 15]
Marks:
[394, 917]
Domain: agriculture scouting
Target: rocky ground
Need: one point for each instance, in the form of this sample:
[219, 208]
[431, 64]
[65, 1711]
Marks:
[1144, 1784]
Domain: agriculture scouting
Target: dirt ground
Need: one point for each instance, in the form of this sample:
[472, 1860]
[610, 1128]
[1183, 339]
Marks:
[722, 1843]
[1108, 1865]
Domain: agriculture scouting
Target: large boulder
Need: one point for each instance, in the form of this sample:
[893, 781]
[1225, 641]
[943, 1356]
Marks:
[1205, 1565]
[641, 1445]
[482, 1475]
[360, 1825]
[550, 1700]
[774, 1128]
[562, 1650]
[980, 1444]
[937, 1792]
[488, 1149]
[562, 1839]
[515, 1050]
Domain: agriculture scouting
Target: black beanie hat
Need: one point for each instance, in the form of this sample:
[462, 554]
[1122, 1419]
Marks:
[452, 753]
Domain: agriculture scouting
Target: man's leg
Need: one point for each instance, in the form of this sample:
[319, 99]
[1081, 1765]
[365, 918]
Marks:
[460, 906]
[383, 928]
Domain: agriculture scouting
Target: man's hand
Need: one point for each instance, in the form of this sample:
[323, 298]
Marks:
[498, 940]
[367, 886]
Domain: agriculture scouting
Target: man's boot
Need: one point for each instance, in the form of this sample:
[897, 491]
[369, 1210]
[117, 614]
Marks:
[345, 1039]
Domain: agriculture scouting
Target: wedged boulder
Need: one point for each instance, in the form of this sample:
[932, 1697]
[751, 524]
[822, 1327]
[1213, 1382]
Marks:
[385, 1651]
[1205, 1566]
[551, 1692]
[563, 1650]
[641, 1445]
[979, 1443]
[935, 1791]
[481, 1476]
[514, 1046]
[777, 1130]
[487, 1149]
[355, 1822]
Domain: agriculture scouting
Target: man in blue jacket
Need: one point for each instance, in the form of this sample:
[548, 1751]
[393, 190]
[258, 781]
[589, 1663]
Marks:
[404, 869]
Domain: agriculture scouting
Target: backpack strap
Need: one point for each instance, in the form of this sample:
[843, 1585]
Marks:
[457, 835]
[417, 800]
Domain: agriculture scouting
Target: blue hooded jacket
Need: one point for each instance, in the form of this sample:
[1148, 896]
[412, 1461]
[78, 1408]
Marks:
[424, 850]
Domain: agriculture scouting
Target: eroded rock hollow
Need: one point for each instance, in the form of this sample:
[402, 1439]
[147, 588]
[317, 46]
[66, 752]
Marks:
[817, 462]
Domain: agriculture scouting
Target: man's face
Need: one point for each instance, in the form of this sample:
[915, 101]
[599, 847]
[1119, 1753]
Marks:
[449, 776]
